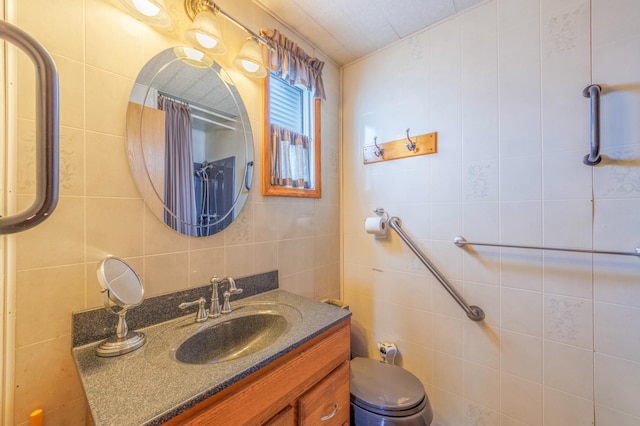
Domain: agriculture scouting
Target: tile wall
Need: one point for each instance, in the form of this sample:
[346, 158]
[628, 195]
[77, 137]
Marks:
[99, 50]
[502, 85]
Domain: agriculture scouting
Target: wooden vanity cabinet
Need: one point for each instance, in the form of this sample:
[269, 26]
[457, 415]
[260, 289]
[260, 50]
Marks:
[300, 388]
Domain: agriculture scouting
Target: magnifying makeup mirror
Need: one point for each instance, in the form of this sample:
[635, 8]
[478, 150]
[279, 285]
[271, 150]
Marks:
[121, 288]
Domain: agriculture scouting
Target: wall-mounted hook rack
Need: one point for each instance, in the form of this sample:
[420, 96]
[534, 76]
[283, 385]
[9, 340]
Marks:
[378, 150]
[419, 145]
[411, 145]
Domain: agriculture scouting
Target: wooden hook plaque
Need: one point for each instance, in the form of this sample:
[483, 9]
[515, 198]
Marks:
[422, 145]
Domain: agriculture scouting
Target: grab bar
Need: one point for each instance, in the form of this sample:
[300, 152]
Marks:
[473, 312]
[593, 92]
[461, 242]
[47, 133]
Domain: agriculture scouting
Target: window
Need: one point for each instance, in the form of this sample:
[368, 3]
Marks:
[291, 151]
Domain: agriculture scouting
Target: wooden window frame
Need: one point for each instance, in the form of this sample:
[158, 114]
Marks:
[279, 191]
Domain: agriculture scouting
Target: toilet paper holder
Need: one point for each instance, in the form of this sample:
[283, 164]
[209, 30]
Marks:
[378, 226]
[388, 352]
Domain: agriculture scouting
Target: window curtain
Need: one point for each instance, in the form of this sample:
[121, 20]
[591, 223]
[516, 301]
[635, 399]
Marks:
[180, 197]
[290, 158]
[290, 151]
[290, 62]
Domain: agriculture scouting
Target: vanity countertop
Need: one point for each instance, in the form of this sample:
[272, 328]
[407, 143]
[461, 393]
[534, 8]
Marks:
[148, 386]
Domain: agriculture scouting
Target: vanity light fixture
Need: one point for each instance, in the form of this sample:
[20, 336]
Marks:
[205, 33]
[152, 12]
[249, 59]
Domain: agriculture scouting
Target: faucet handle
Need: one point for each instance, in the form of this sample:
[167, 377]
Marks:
[201, 315]
[226, 306]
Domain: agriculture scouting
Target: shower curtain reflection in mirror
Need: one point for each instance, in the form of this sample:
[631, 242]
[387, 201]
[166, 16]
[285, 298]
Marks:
[180, 197]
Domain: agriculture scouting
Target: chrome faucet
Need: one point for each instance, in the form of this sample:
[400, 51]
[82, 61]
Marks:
[215, 309]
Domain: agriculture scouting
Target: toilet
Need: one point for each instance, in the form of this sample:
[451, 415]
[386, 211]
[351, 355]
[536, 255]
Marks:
[385, 394]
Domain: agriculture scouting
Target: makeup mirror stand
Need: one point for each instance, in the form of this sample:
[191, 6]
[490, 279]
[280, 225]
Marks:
[120, 286]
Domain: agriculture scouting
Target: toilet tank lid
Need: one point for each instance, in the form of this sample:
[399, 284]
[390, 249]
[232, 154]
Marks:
[384, 386]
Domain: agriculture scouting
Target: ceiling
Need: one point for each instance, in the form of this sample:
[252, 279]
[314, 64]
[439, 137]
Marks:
[346, 30]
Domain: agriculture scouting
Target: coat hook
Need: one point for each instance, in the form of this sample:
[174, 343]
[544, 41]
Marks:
[411, 145]
[378, 151]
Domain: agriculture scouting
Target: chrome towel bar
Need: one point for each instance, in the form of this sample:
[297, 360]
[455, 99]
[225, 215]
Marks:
[473, 312]
[47, 133]
[461, 242]
[593, 92]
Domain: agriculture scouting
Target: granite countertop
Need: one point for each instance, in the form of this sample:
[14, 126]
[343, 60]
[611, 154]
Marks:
[149, 386]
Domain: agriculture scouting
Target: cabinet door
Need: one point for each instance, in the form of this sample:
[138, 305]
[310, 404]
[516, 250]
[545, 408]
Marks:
[327, 403]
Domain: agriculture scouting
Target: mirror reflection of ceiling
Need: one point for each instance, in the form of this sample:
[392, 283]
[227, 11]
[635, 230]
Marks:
[186, 82]
[346, 30]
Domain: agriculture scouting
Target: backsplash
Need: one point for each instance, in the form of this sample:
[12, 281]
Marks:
[98, 324]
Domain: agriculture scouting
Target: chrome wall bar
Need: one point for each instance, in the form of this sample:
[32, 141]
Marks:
[473, 312]
[47, 133]
[461, 242]
[593, 92]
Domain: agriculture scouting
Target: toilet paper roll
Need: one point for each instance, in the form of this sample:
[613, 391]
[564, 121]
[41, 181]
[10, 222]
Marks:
[376, 225]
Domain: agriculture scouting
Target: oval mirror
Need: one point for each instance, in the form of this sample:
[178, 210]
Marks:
[121, 286]
[189, 142]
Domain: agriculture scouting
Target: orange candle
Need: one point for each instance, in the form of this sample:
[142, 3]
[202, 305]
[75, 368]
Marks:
[36, 418]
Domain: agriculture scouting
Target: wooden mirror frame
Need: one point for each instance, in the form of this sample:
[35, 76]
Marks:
[281, 191]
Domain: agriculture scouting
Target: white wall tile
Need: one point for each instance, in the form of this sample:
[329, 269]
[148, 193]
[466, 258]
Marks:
[479, 85]
[482, 385]
[615, 280]
[616, 384]
[565, 64]
[615, 179]
[565, 176]
[519, 79]
[615, 222]
[561, 409]
[611, 330]
[447, 372]
[521, 268]
[481, 180]
[521, 311]
[475, 414]
[448, 217]
[568, 320]
[567, 223]
[443, 327]
[568, 274]
[447, 407]
[568, 369]
[483, 266]
[481, 221]
[521, 223]
[520, 178]
[521, 356]
[481, 345]
[609, 417]
[521, 399]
